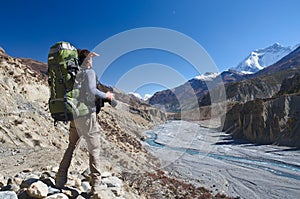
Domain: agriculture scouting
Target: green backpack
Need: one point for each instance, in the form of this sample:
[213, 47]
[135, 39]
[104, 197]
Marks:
[63, 67]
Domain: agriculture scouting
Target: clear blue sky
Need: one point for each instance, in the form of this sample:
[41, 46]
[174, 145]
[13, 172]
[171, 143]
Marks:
[227, 29]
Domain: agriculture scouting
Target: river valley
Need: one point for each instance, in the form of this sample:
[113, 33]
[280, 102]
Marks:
[209, 158]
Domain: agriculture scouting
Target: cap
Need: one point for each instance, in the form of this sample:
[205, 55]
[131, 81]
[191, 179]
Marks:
[93, 54]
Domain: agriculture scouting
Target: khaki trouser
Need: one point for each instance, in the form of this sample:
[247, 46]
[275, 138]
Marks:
[88, 127]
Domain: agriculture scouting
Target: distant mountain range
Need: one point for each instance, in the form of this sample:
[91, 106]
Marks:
[260, 62]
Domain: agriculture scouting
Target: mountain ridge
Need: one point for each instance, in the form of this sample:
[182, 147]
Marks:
[169, 99]
[264, 57]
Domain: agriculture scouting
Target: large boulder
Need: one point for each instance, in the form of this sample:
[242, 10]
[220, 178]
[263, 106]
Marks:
[38, 190]
[8, 195]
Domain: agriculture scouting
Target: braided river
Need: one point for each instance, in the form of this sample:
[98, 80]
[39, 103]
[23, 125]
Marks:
[210, 158]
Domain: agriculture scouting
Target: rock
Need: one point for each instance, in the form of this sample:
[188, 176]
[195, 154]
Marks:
[18, 180]
[57, 196]
[70, 192]
[81, 197]
[118, 191]
[55, 169]
[85, 186]
[10, 186]
[8, 195]
[103, 194]
[38, 190]
[52, 190]
[45, 174]
[112, 182]
[51, 174]
[29, 169]
[48, 181]
[2, 181]
[290, 85]
[22, 194]
[73, 181]
[26, 183]
[106, 174]
[2, 51]
[32, 175]
[86, 174]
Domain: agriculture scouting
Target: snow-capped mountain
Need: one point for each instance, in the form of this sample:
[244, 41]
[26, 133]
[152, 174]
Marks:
[137, 95]
[261, 58]
[208, 76]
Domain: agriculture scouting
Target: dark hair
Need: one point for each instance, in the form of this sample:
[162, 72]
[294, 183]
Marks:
[82, 54]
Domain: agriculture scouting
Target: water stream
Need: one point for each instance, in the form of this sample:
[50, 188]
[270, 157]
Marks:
[268, 165]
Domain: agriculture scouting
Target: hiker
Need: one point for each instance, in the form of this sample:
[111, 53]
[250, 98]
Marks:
[86, 126]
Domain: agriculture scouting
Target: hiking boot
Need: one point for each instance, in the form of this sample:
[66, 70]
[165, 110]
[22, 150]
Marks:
[60, 180]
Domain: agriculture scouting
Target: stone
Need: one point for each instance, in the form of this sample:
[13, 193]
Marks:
[80, 197]
[2, 51]
[74, 182]
[70, 192]
[8, 195]
[106, 174]
[26, 183]
[22, 194]
[57, 196]
[112, 182]
[38, 190]
[86, 173]
[118, 191]
[2, 181]
[85, 186]
[55, 169]
[18, 181]
[27, 170]
[10, 186]
[52, 190]
[48, 181]
[45, 174]
[103, 194]
[33, 175]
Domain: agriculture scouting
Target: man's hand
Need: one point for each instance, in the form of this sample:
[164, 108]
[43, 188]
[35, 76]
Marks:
[110, 96]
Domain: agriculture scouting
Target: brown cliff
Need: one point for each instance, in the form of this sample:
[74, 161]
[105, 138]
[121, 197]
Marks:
[272, 121]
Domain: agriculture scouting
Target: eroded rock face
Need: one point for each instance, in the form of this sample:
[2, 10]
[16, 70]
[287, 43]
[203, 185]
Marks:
[273, 121]
[290, 85]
